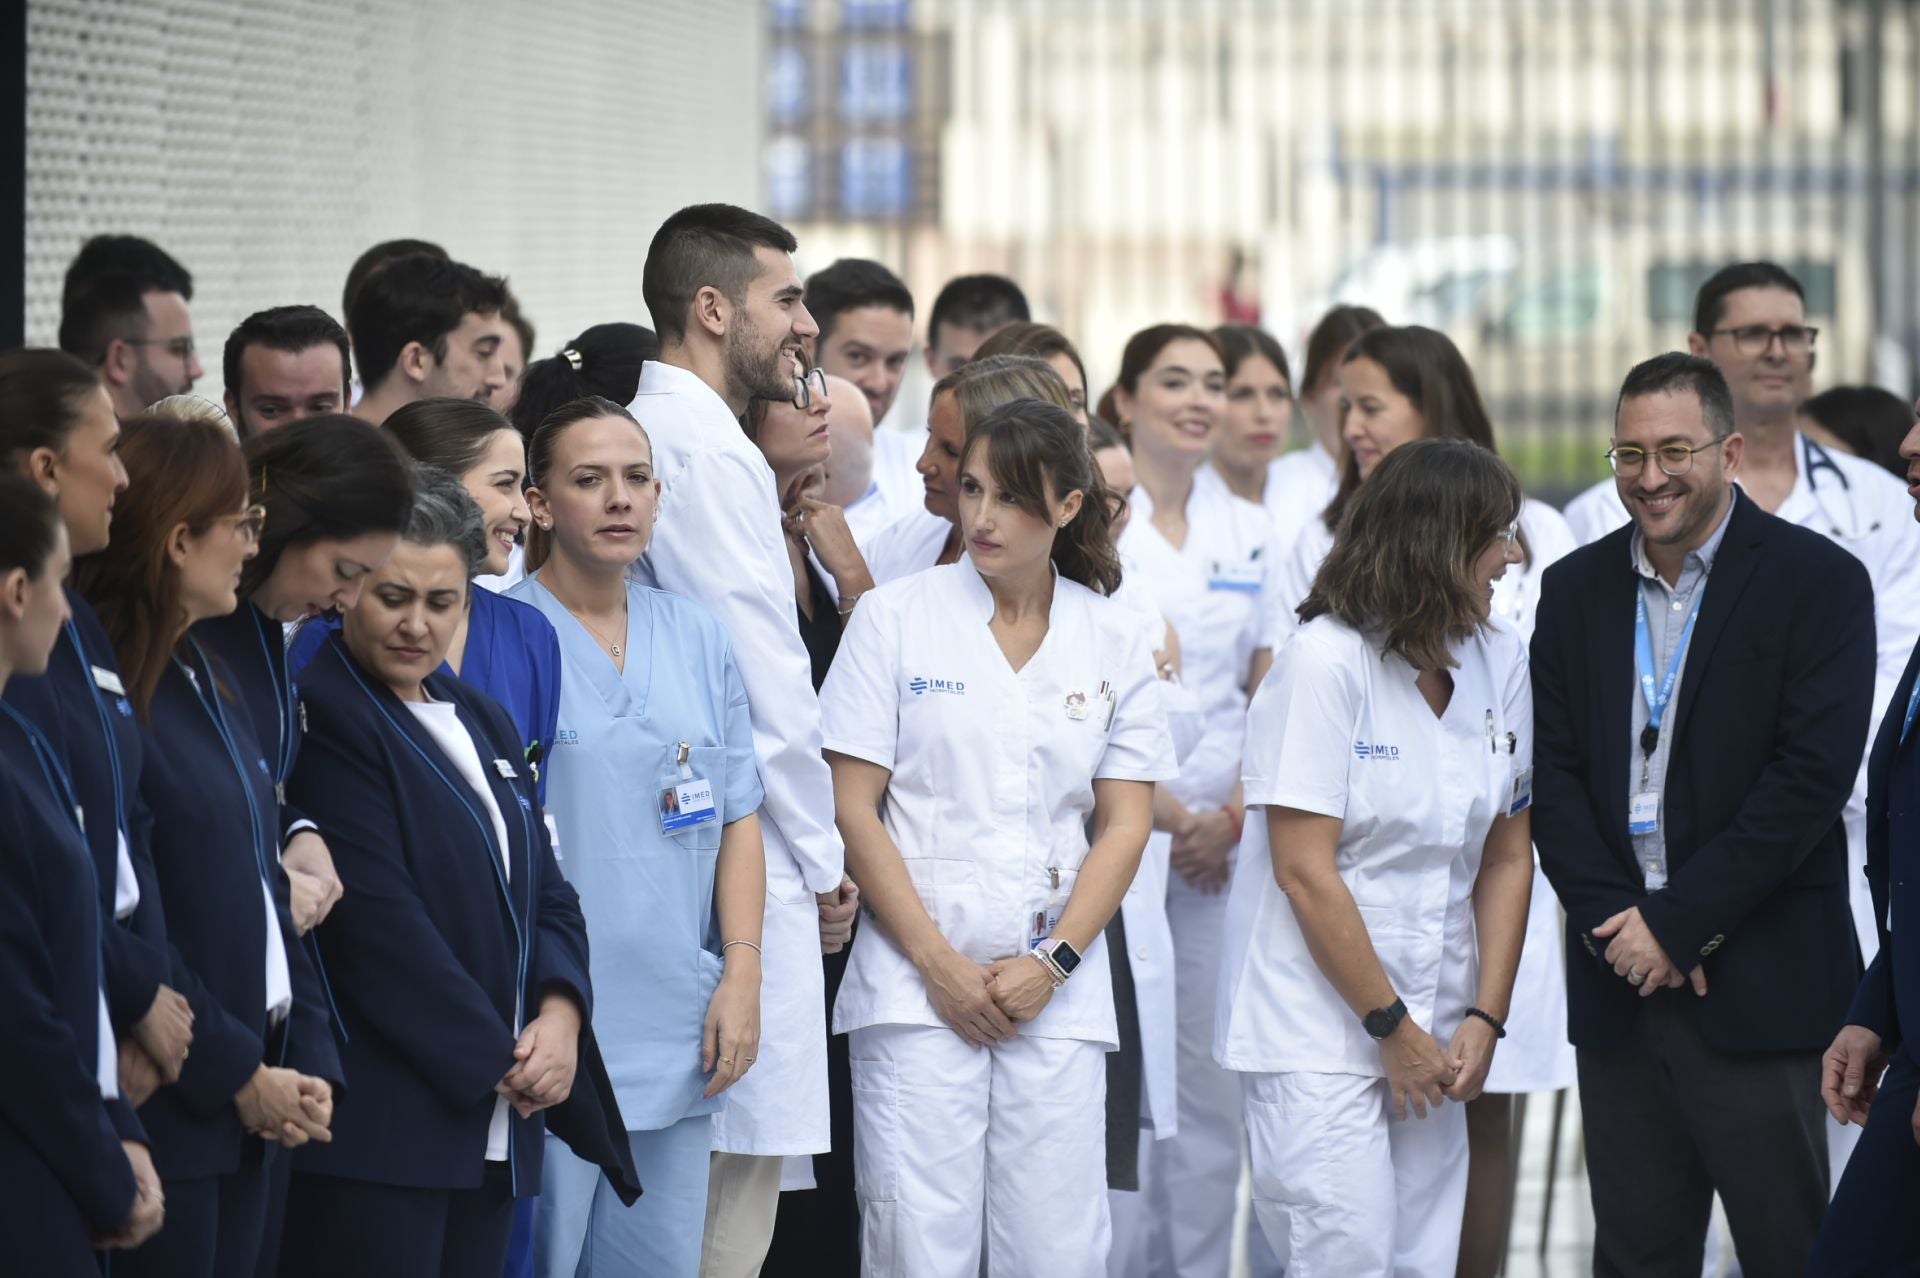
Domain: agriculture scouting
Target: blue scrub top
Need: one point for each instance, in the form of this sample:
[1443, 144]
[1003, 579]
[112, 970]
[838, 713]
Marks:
[648, 895]
[512, 655]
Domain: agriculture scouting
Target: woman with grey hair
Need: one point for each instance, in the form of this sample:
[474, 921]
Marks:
[457, 956]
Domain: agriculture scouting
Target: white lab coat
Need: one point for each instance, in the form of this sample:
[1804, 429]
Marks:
[989, 792]
[1218, 592]
[1341, 730]
[912, 543]
[719, 542]
[1868, 513]
[1299, 486]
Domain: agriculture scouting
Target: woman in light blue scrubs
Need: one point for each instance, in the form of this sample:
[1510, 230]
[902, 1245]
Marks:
[652, 784]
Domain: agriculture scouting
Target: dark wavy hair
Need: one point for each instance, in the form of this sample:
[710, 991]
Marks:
[1402, 559]
[324, 479]
[179, 472]
[1037, 452]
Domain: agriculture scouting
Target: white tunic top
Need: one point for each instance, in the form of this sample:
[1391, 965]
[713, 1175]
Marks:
[1341, 730]
[912, 543]
[1217, 590]
[992, 775]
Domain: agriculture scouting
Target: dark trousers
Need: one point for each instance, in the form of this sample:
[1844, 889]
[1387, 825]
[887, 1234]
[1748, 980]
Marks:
[279, 1168]
[1873, 1226]
[816, 1233]
[212, 1230]
[1670, 1120]
[337, 1226]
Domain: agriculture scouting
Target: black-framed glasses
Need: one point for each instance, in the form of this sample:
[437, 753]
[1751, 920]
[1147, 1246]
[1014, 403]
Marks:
[1673, 459]
[1753, 340]
[182, 347]
[809, 384]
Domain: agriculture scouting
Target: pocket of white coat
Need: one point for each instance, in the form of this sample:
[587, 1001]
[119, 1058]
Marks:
[949, 888]
[876, 1130]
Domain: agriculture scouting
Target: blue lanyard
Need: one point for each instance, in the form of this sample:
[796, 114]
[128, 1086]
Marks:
[283, 700]
[1913, 706]
[111, 742]
[50, 767]
[211, 704]
[1643, 659]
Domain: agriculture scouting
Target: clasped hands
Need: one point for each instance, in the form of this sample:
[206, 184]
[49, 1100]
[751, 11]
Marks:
[985, 1002]
[1638, 959]
[545, 1057]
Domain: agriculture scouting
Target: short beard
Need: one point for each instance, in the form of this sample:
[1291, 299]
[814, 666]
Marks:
[751, 375]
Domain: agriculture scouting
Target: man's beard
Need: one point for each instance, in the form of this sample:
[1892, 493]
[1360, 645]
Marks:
[754, 375]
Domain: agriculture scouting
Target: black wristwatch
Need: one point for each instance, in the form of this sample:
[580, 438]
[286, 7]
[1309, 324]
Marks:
[1382, 1021]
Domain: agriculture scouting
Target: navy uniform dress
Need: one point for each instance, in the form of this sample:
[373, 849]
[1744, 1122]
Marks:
[215, 838]
[64, 1172]
[439, 953]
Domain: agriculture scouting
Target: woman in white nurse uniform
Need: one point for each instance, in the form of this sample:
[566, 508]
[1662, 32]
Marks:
[1208, 558]
[977, 716]
[1378, 906]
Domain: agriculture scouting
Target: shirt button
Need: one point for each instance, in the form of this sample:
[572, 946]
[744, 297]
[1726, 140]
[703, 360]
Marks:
[1140, 953]
[1678, 604]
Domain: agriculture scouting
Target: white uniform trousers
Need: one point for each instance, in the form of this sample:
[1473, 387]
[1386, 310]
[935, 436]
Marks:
[955, 1145]
[1195, 1178]
[1345, 1190]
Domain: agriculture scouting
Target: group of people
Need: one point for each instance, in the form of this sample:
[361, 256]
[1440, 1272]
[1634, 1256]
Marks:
[623, 813]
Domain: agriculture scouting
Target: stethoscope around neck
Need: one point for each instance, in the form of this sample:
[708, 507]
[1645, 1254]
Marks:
[1816, 459]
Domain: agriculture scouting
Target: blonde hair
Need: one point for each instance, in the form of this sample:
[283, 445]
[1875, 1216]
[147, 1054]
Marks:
[192, 408]
[982, 385]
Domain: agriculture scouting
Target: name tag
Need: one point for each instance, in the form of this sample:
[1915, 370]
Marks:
[686, 805]
[1244, 578]
[1522, 798]
[504, 768]
[1643, 812]
[108, 680]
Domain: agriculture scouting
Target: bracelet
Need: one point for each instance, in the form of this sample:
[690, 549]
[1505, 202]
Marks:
[848, 601]
[1046, 961]
[754, 946]
[1499, 1026]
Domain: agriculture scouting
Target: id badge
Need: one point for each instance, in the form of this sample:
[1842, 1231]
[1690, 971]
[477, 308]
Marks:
[687, 804]
[1643, 812]
[1243, 578]
[1045, 920]
[1522, 798]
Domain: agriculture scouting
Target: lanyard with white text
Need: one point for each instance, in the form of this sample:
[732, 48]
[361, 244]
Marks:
[1913, 706]
[1657, 699]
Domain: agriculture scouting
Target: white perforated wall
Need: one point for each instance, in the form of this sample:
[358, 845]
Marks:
[265, 144]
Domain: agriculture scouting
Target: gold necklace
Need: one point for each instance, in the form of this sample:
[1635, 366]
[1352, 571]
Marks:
[593, 630]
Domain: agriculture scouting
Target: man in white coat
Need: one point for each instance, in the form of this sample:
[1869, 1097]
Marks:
[720, 284]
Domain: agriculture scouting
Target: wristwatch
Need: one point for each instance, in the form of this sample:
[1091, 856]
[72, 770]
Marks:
[1382, 1021]
[1060, 953]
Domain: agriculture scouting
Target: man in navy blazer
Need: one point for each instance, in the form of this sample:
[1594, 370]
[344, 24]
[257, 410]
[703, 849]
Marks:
[1702, 682]
[1872, 1226]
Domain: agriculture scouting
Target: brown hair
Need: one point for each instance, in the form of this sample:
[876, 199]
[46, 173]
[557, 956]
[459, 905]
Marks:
[539, 541]
[1041, 341]
[1142, 349]
[1427, 368]
[180, 472]
[1327, 344]
[1036, 452]
[1402, 558]
[982, 385]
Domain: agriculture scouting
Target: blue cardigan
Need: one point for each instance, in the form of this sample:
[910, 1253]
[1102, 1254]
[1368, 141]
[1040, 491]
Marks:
[432, 947]
[60, 1155]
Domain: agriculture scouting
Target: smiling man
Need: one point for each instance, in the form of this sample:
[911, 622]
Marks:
[424, 327]
[1702, 680]
[283, 365]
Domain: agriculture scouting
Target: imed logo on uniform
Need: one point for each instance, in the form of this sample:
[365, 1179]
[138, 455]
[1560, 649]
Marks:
[1362, 750]
[921, 685]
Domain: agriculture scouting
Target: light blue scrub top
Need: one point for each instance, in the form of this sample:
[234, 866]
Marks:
[647, 895]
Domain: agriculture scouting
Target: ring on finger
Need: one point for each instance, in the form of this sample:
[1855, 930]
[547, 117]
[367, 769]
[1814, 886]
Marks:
[1636, 977]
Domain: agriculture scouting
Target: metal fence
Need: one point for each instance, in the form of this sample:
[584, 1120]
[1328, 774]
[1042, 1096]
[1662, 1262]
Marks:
[1546, 180]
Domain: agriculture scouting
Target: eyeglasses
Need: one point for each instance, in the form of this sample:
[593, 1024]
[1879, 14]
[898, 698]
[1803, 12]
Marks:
[809, 384]
[1510, 534]
[249, 523]
[1753, 340]
[181, 347]
[1673, 459]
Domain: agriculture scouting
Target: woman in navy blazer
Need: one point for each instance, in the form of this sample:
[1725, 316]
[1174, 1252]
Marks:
[263, 1062]
[457, 955]
[72, 1156]
[58, 429]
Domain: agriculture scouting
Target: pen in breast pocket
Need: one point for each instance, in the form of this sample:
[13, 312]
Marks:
[1493, 746]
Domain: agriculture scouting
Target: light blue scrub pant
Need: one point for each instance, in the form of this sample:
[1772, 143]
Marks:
[581, 1229]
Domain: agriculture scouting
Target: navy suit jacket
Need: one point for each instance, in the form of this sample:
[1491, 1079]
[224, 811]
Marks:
[60, 1158]
[213, 827]
[438, 941]
[1769, 725]
[1889, 995]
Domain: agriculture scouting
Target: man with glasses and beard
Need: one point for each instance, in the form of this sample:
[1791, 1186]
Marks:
[1701, 681]
[720, 284]
[123, 310]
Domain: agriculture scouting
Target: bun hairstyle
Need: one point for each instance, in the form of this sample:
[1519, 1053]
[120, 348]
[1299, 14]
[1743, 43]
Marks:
[326, 478]
[546, 440]
[179, 472]
[1037, 453]
[604, 360]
